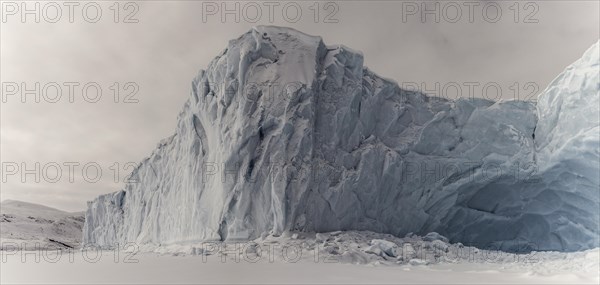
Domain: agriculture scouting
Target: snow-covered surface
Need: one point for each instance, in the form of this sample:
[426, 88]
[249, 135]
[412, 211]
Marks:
[32, 226]
[343, 258]
[283, 133]
[369, 248]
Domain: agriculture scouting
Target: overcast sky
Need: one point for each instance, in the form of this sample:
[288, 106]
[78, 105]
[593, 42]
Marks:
[171, 41]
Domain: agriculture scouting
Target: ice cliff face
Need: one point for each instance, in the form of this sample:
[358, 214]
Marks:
[567, 141]
[282, 132]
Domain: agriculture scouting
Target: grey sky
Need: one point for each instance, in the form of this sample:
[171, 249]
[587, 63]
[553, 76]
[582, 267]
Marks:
[171, 42]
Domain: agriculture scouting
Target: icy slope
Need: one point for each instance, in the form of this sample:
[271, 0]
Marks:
[31, 226]
[567, 140]
[282, 132]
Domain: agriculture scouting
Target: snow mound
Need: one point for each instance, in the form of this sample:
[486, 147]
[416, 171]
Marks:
[28, 226]
[284, 133]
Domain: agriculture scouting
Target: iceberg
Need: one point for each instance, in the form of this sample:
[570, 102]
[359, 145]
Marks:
[285, 133]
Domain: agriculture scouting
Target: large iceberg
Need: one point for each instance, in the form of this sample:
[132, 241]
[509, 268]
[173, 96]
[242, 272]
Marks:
[284, 133]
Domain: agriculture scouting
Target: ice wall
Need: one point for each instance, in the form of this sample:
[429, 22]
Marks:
[282, 132]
